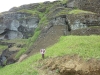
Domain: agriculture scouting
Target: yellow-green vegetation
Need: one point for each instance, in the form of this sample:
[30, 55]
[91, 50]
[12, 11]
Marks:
[28, 11]
[22, 51]
[64, 1]
[33, 39]
[23, 68]
[66, 11]
[78, 11]
[2, 48]
[17, 42]
[43, 21]
[85, 46]
[48, 8]
[42, 16]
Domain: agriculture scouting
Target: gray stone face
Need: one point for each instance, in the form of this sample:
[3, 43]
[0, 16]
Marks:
[2, 37]
[31, 22]
[84, 24]
[14, 25]
[58, 21]
[14, 34]
[71, 4]
[1, 29]
[78, 25]
[13, 21]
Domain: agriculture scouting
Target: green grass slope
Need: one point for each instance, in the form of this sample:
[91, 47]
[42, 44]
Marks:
[85, 46]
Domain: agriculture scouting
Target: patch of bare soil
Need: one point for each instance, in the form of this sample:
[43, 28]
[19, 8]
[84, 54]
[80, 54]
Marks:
[69, 65]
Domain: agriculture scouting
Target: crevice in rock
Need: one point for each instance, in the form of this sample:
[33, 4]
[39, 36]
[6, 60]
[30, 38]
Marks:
[67, 23]
[5, 31]
[7, 56]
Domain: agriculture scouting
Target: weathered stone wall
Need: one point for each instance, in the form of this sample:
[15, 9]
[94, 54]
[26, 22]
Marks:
[84, 24]
[83, 20]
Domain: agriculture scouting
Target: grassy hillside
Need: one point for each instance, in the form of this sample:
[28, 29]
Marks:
[85, 46]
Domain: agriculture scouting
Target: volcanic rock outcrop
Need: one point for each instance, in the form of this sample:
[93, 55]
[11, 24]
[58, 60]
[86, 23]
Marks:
[17, 25]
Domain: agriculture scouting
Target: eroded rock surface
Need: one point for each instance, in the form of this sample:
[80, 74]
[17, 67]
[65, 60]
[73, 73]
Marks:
[16, 25]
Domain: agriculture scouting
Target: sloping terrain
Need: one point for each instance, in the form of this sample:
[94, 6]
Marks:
[54, 20]
[59, 58]
[69, 65]
[48, 37]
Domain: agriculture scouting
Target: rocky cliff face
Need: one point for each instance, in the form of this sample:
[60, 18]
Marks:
[86, 23]
[17, 25]
[20, 22]
[89, 5]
